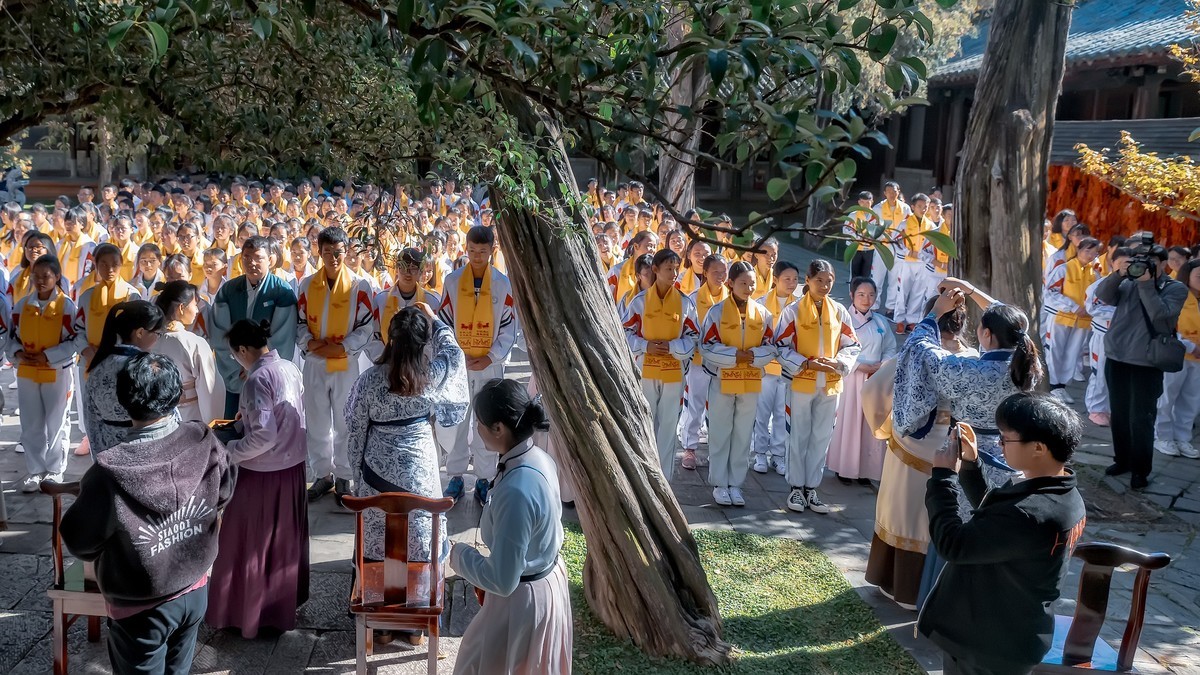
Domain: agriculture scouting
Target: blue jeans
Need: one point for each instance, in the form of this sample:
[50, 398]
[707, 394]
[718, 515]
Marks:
[160, 640]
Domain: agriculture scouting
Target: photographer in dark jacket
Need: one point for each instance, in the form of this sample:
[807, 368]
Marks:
[989, 610]
[147, 515]
[1145, 296]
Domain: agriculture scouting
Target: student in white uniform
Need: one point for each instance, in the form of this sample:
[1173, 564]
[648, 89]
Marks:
[525, 625]
[1066, 296]
[1180, 403]
[661, 329]
[737, 343]
[335, 324]
[477, 303]
[817, 347]
[1096, 397]
[406, 292]
[910, 267]
[203, 397]
[41, 344]
[891, 212]
[712, 291]
[770, 420]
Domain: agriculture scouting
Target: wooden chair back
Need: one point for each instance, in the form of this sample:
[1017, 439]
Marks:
[387, 584]
[57, 491]
[1099, 561]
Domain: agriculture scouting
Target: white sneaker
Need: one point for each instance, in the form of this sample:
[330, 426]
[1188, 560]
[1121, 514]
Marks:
[31, 484]
[796, 501]
[53, 477]
[760, 464]
[13, 385]
[1167, 448]
[19, 449]
[814, 502]
[1188, 450]
[721, 497]
[1062, 395]
[780, 467]
[1079, 377]
[735, 496]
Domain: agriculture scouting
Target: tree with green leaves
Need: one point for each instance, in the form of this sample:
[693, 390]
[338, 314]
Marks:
[500, 92]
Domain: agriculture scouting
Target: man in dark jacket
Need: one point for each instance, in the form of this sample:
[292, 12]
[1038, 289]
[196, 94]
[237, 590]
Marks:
[990, 608]
[147, 515]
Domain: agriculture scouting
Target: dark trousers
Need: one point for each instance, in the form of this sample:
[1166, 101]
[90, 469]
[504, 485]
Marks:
[161, 640]
[1133, 393]
[231, 404]
[860, 265]
[952, 666]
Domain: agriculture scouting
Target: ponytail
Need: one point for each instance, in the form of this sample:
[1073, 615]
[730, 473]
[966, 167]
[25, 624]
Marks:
[172, 295]
[1010, 328]
[119, 325]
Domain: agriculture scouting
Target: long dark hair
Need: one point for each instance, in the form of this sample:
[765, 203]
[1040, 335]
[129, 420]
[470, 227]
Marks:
[1056, 225]
[509, 403]
[247, 333]
[46, 241]
[172, 295]
[405, 354]
[122, 320]
[1010, 327]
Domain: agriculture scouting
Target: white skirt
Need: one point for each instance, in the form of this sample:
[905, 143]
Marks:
[526, 633]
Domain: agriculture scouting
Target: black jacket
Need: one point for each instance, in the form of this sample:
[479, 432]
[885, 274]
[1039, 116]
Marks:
[991, 605]
[148, 514]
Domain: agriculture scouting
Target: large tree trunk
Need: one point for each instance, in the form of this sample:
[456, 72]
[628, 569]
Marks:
[677, 167]
[1001, 186]
[642, 576]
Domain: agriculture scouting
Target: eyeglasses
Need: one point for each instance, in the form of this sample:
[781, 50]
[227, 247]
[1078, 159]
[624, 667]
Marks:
[1005, 441]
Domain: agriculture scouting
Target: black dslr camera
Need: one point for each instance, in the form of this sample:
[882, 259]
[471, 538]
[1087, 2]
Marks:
[1143, 258]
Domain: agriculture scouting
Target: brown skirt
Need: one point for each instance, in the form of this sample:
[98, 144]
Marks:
[895, 571]
[260, 576]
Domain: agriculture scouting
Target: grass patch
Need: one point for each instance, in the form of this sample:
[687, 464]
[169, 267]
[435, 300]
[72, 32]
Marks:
[786, 609]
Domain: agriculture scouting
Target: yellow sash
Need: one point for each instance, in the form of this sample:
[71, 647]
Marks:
[810, 331]
[1056, 241]
[337, 317]
[40, 330]
[1189, 322]
[662, 319]
[690, 282]
[739, 334]
[775, 305]
[473, 315]
[1075, 285]
[891, 214]
[941, 258]
[22, 284]
[128, 260]
[704, 302]
[69, 253]
[104, 297]
[391, 308]
[626, 278]
[913, 226]
[763, 284]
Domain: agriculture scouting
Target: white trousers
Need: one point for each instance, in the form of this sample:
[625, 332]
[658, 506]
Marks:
[43, 421]
[813, 416]
[1097, 389]
[771, 419]
[1179, 404]
[77, 375]
[932, 280]
[325, 397]
[666, 401]
[460, 443]
[730, 423]
[695, 399]
[911, 297]
[881, 275]
[1062, 359]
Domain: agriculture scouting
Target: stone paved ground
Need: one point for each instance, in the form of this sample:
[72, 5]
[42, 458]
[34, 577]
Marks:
[1164, 518]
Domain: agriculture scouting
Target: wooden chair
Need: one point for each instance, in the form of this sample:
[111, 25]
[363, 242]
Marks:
[1077, 645]
[379, 597]
[74, 592]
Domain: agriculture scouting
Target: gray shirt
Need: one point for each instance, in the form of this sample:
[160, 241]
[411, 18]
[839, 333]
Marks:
[1128, 337]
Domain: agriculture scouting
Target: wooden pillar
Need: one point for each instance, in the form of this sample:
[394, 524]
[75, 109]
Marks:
[1145, 101]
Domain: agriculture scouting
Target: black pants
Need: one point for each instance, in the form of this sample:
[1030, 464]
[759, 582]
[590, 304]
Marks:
[1133, 393]
[161, 640]
[860, 265]
[232, 401]
[952, 666]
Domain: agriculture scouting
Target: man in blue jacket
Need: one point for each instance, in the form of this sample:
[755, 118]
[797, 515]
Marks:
[990, 609]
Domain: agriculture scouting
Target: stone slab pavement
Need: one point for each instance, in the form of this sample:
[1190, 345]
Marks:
[1163, 518]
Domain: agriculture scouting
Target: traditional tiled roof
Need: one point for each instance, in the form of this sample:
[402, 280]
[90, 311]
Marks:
[1167, 137]
[1101, 30]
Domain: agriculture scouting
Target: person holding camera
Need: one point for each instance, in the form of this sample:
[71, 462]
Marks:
[1140, 346]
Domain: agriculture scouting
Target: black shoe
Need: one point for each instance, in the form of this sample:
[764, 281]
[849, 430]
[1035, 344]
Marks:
[1115, 470]
[865, 482]
[341, 488]
[569, 505]
[1138, 482]
[843, 480]
[320, 488]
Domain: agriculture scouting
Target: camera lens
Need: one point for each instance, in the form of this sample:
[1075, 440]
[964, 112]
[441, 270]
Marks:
[1136, 269]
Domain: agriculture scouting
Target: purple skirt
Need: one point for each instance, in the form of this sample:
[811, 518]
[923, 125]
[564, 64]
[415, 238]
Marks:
[260, 576]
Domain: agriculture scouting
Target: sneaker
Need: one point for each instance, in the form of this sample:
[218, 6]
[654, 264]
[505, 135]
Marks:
[455, 489]
[1166, 448]
[814, 502]
[1062, 395]
[701, 460]
[341, 488]
[31, 484]
[1079, 377]
[320, 487]
[1188, 450]
[735, 496]
[482, 490]
[19, 449]
[689, 460]
[781, 468]
[13, 385]
[760, 464]
[1115, 470]
[1138, 482]
[796, 501]
[900, 328]
[721, 497]
[53, 477]
[1101, 419]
